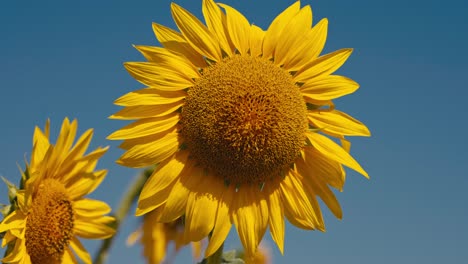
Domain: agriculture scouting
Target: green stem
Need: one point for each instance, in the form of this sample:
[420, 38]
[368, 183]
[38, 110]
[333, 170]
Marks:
[121, 213]
[217, 257]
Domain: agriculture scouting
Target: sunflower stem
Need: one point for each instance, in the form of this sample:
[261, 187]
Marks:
[126, 203]
[217, 257]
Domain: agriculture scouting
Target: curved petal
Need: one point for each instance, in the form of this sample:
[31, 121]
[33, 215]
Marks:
[69, 257]
[238, 28]
[250, 216]
[276, 215]
[86, 183]
[256, 40]
[274, 31]
[146, 127]
[158, 76]
[295, 30]
[196, 34]
[337, 122]
[308, 48]
[323, 66]
[94, 228]
[216, 23]
[152, 152]
[14, 220]
[175, 42]
[322, 168]
[146, 111]
[150, 96]
[90, 208]
[328, 87]
[80, 251]
[168, 59]
[333, 151]
[159, 185]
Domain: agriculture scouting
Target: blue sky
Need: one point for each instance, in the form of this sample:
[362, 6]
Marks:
[64, 58]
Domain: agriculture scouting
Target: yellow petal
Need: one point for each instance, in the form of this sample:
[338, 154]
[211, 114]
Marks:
[189, 180]
[151, 153]
[337, 122]
[77, 151]
[146, 111]
[40, 147]
[215, 21]
[222, 223]
[94, 228]
[175, 42]
[168, 59]
[196, 34]
[69, 257]
[238, 28]
[276, 215]
[256, 40]
[18, 254]
[91, 208]
[80, 250]
[333, 151]
[295, 30]
[159, 185]
[324, 65]
[201, 208]
[87, 183]
[315, 164]
[308, 48]
[13, 221]
[150, 96]
[250, 216]
[273, 33]
[328, 87]
[159, 77]
[297, 207]
[146, 127]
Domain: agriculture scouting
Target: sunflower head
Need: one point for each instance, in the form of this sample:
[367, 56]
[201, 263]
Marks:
[51, 211]
[242, 123]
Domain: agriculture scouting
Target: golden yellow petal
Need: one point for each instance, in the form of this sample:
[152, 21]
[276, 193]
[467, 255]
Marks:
[276, 215]
[175, 42]
[69, 257]
[13, 221]
[328, 87]
[146, 111]
[80, 251]
[18, 254]
[159, 77]
[256, 40]
[150, 96]
[215, 21]
[146, 127]
[152, 152]
[196, 34]
[315, 164]
[90, 208]
[333, 151]
[86, 183]
[222, 223]
[323, 66]
[94, 228]
[7, 238]
[40, 147]
[249, 213]
[296, 29]
[159, 185]
[296, 203]
[76, 152]
[337, 122]
[177, 199]
[238, 28]
[168, 59]
[201, 208]
[308, 48]
[273, 33]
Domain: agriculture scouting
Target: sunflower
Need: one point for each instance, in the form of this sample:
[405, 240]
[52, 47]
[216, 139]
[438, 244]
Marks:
[156, 237]
[241, 122]
[51, 210]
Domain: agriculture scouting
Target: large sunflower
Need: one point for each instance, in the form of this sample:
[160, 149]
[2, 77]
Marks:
[51, 210]
[239, 120]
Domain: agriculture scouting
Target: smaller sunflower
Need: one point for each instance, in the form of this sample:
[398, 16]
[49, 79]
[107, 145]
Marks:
[156, 237]
[51, 211]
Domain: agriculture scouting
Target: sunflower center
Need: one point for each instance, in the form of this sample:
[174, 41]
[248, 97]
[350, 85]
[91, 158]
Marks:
[49, 226]
[244, 120]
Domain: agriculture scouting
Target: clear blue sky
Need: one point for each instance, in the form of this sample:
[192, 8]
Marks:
[64, 58]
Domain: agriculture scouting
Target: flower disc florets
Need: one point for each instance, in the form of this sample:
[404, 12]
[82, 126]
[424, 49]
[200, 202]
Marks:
[245, 119]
